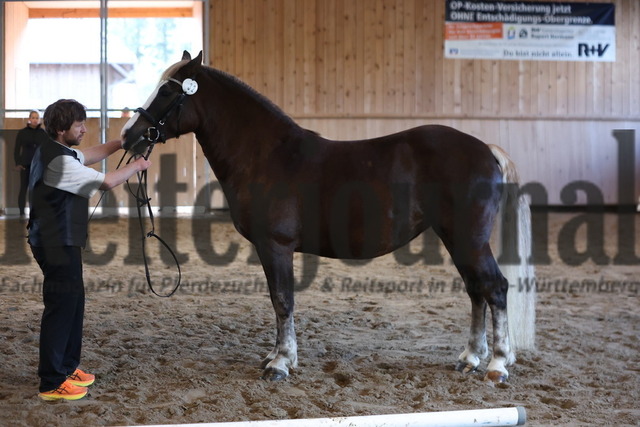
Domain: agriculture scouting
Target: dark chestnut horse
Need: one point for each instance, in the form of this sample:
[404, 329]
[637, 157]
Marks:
[290, 190]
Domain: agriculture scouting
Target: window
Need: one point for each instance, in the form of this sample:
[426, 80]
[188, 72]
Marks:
[53, 50]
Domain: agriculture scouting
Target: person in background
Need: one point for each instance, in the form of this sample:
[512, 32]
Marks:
[61, 184]
[27, 140]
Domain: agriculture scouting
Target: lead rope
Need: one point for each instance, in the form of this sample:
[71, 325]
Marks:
[143, 199]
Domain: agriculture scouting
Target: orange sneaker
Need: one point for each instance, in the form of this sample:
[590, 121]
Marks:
[66, 391]
[81, 378]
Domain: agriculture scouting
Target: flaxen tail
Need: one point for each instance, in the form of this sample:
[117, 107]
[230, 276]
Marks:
[516, 218]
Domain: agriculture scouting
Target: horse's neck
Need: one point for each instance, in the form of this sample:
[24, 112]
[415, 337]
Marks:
[235, 147]
[241, 129]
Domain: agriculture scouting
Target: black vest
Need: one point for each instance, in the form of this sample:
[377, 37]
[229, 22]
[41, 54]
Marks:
[57, 218]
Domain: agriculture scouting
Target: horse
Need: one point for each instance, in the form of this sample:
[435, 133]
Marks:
[291, 190]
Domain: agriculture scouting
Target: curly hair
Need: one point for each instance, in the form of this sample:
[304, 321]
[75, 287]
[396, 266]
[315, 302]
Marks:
[60, 115]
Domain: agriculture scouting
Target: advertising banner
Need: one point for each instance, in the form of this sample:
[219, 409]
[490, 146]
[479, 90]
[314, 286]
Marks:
[540, 31]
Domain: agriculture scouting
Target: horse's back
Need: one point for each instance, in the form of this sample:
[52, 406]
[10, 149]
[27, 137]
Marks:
[428, 153]
[450, 149]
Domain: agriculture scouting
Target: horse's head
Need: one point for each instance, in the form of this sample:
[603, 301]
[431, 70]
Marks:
[168, 112]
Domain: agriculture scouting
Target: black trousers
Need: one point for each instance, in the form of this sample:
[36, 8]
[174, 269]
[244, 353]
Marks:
[63, 316]
[24, 185]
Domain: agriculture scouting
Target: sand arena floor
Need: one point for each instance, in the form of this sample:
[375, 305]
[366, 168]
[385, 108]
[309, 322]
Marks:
[363, 349]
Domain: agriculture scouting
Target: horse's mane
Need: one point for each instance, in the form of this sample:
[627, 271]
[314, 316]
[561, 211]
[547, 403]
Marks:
[172, 69]
[232, 81]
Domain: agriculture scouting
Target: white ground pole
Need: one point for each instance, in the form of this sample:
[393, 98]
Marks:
[516, 416]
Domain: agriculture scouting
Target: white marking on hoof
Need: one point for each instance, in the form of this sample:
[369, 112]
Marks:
[497, 371]
[278, 368]
[467, 362]
[271, 374]
[496, 377]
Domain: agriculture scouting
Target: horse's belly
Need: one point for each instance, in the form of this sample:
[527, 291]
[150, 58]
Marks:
[373, 237]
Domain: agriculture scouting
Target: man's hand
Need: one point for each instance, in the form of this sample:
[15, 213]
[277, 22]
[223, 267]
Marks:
[142, 164]
[119, 176]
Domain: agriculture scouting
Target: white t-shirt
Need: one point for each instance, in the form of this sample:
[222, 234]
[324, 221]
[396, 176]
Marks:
[68, 174]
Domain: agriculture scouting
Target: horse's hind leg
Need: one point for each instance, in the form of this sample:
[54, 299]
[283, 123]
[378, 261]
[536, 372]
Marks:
[470, 251]
[486, 286]
[476, 349]
[277, 263]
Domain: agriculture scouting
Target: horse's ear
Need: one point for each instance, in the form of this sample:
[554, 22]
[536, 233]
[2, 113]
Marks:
[186, 55]
[198, 58]
[193, 66]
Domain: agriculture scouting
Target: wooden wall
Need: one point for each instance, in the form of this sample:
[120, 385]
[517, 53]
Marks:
[385, 58]
[362, 68]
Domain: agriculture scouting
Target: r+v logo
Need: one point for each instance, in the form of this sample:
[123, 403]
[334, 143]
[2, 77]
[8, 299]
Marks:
[587, 50]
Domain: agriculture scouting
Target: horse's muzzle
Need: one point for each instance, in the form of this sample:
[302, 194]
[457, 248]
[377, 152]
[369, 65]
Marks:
[135, 145]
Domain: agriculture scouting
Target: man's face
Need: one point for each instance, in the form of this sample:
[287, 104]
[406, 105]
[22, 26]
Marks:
[74, 135]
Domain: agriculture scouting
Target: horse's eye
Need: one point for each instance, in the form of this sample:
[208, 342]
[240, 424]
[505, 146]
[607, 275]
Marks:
[164, 91]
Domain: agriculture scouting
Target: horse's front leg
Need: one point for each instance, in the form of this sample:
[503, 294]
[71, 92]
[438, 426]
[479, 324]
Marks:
[277, 263]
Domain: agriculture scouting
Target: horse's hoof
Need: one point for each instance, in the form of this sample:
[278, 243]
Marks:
[273, 374]
[496, 377]
[465, 368]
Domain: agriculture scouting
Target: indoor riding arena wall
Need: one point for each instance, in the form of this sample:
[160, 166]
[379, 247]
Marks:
[367, 68]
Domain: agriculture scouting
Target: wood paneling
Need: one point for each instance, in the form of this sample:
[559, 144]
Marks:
[384, 58]
[366, 68]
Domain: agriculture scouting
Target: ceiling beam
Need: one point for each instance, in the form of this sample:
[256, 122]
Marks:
[116, 12]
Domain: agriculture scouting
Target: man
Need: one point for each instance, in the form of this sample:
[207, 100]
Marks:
[27, 140]
[60, 185]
